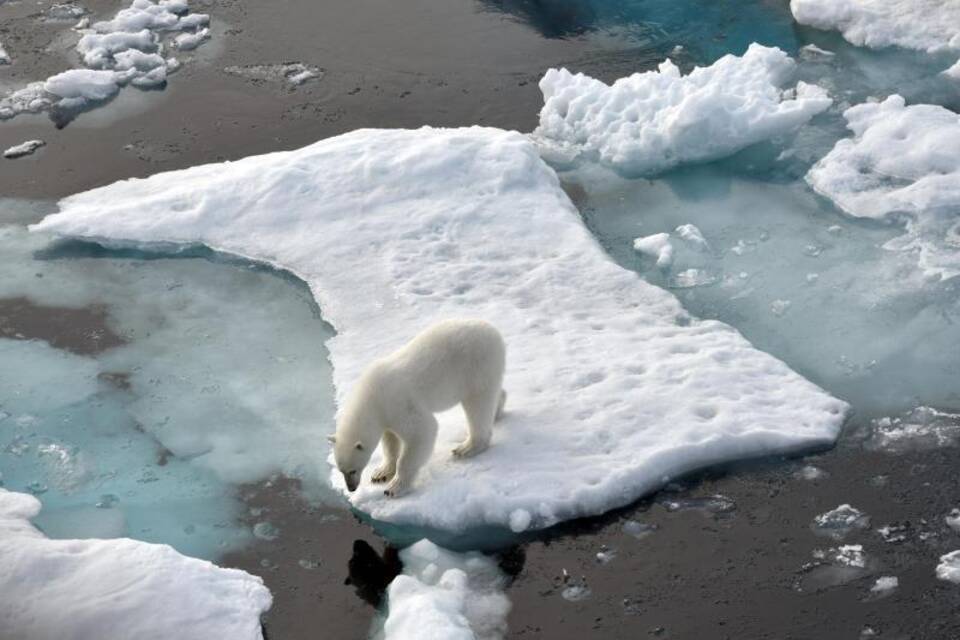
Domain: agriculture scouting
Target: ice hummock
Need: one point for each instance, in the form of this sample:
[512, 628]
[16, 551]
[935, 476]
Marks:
[614, 389]
[446, 595]
[650, 122]
[116, 589]
[903, 163]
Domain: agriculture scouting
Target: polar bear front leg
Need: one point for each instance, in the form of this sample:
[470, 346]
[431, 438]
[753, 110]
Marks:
[415, 449]
[391, 451]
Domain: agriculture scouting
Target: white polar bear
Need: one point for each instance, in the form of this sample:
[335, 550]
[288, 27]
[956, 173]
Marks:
[393, 402]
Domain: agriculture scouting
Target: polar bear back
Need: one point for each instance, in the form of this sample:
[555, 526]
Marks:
[448, 362]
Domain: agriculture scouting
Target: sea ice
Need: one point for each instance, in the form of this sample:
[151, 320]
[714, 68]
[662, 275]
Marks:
[4, 56]
[293, 73]
[115, 589]
[650, 122]
[23, 149]
[953, 519]
[446, 595]
[949, 567]
[918, 429]
[658, 246]
[885, 585]
[612, 385]
[927, 25]
[903, 163]
[838, 522]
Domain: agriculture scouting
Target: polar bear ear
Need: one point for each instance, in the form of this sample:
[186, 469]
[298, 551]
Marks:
[359, 446]
[332, 439]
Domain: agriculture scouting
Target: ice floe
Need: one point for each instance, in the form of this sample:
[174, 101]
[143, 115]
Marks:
[23, 149]
[918, 429]
[127, 49]
[657, 246]
[949, 567]
[650, 122]
[903, 163]
[613, 388]
[838, 522]
[884, 586]
[927, 25]
[446, 595]
[292, 73]
[953, 519]
[115, 589]
[4, 56]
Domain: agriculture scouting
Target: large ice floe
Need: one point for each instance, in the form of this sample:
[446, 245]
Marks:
[902, 163]
[649, 122]
[126, 50]
[926, 25]
[449, 596]
[613, 388]
[115, 589]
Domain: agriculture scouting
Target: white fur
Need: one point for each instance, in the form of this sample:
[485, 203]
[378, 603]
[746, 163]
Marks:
[452, 362]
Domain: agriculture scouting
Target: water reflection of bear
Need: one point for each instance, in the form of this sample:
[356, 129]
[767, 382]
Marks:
[370, 573]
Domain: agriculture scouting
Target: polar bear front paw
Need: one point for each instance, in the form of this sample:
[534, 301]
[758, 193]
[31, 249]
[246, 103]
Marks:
[395, 489]
[468, 449]
[382, 474]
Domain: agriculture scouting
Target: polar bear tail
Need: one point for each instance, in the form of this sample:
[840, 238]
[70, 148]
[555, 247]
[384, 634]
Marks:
[500, 405]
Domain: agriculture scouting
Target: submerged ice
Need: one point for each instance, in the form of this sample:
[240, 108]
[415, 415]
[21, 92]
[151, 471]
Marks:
[613, 387]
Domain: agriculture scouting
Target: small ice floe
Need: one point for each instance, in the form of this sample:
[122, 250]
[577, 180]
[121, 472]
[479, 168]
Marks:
[691, 234]
[838, 522]
[4, 56]
[813, 52]
[23, 149]
[656, 246]
[64, 12]
[266, 531]
[190, 41]
[292, 73]
[949, 567]
[454, 595]
[811, 473]
[894, 533]
[920, 429]
[638, 530]
[779, 307]
[884, 586]
[574, 590]
[833, 567]
[690, 278]
[953, 519]
[606, 555]
[715, 505]
[308, 564]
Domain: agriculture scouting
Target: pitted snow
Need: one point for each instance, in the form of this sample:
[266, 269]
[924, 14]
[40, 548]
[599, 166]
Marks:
[114, 589]
[902, 163]
[613, 387]
[650, 122]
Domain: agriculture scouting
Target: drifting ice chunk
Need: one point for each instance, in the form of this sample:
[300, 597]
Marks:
[23, 149]
[452, 596]
[83, 85]
[190, 41]
[840, 521]
[902, 163]
[4, 56]
[416, 226]
[115, 589]
[658, 246]
[650, 122]
[927, 25]
[885, 585]
[919, 429]
[949, 567]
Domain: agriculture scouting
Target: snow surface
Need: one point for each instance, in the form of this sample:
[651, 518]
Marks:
[903, 163]
[124, 50]
[23, 149]
[447, 596]
[613, 388]
[115, 589]
[650, 122]
[949, 567]
[927, 25]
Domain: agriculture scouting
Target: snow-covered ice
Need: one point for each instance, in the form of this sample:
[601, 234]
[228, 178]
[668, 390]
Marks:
[657, 246]
[115, 589]
[613, 387]
[927, 25]
[23, 149]
[650, 122]
[447, 596]
[903, 163]
[949, 567]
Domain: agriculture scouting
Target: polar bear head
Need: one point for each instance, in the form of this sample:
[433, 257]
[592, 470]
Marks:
[351, 457]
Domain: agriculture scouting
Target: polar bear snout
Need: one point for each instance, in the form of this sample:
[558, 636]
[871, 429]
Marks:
[352, 478]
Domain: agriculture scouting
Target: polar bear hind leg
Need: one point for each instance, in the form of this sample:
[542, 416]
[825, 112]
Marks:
[481, 410]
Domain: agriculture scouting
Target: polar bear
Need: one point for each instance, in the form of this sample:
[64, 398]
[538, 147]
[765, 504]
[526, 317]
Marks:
[452, 362]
